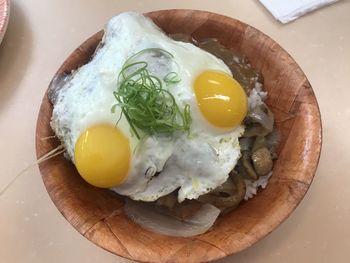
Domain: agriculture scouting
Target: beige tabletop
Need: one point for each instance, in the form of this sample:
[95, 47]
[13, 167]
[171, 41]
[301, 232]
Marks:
[40, 36]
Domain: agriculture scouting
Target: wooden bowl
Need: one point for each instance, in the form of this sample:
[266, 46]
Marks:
[98, 213]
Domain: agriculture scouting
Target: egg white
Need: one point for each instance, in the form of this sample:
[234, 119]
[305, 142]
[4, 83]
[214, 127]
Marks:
[193, 164]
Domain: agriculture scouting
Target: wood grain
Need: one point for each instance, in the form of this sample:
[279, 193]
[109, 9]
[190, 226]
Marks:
[98, 214]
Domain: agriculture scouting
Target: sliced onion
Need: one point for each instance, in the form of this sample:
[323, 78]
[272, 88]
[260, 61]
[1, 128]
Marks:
[158, 220]
[246, 143]
[227, 195]
[262, 115]
[273, 139]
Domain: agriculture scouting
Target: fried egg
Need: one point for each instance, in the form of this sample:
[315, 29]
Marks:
[102, 144]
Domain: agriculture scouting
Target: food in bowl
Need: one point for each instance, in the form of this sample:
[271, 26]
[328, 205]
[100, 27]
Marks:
[180, 129]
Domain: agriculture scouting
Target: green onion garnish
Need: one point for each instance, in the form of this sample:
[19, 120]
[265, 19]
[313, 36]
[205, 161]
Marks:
[146, 105]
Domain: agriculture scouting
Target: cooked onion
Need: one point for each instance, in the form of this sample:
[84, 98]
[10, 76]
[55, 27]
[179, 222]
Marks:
[262, 115]
[246, 143]
[260, 142]
[273, 139]
[158, 220]
[259, 121]
[227, 195]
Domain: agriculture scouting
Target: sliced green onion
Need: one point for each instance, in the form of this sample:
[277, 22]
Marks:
[146, 105]
[171, 78]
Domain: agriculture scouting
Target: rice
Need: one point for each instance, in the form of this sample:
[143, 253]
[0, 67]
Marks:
[256, 98]
[252, 187]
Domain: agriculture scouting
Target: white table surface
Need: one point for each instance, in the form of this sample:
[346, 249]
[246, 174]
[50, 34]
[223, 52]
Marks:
[41, 34]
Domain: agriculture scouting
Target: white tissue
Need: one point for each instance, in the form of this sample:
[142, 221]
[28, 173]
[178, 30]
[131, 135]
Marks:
[286, 11]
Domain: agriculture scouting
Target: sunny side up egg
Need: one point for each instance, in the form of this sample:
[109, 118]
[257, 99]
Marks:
[101, 143]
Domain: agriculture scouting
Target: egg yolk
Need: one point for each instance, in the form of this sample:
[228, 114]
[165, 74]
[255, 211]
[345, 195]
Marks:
[220, 98]
[102, 156]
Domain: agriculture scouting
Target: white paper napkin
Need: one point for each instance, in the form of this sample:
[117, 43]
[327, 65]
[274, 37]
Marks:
[289, 10]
